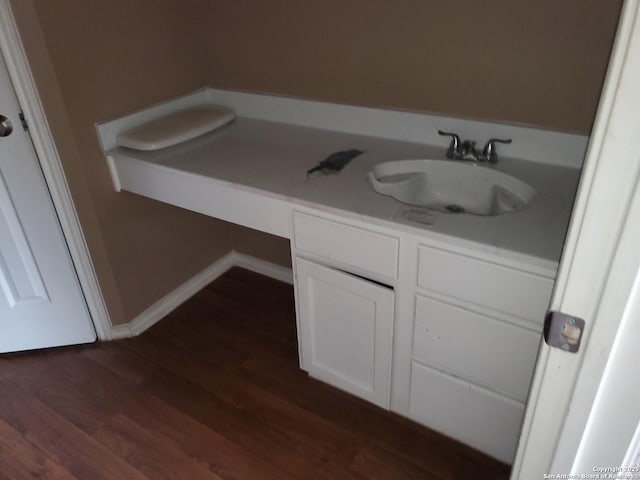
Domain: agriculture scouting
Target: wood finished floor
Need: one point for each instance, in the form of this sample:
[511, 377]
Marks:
[213, 391]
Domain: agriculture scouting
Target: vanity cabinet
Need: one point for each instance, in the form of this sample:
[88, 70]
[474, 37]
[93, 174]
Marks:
[460, 328]
[477, 329]
[345, 304]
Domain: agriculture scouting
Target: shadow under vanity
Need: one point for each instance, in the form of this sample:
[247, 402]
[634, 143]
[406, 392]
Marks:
[436, 316]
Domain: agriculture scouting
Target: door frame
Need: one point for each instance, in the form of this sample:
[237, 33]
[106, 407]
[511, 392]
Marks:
[596, 274]
[47, 154]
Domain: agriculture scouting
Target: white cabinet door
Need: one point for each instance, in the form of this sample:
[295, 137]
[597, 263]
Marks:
[41, 303]
[345, 330]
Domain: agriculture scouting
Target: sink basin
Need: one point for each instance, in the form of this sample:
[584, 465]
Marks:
[451, 186]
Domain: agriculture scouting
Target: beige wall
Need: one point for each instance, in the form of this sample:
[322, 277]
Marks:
[538, 62]
[261, 245]
[94, 60]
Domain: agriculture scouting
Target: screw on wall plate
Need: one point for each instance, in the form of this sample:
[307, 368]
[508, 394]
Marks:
[566, 347]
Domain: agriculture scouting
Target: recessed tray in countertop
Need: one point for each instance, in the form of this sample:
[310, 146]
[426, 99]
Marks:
[176, 127]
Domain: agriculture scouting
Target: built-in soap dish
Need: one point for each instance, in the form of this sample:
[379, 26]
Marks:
[176, 127]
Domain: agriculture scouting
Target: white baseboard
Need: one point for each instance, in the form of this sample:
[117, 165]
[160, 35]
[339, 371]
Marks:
[263, 267]
[184, 292]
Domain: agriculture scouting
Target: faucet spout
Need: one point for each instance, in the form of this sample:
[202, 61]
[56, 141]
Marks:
[468, 151]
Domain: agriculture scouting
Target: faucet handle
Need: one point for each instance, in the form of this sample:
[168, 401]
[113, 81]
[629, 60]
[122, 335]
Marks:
[454, 147]
[489, 151]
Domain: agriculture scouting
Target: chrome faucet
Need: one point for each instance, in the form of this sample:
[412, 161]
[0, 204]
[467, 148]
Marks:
[467, 150]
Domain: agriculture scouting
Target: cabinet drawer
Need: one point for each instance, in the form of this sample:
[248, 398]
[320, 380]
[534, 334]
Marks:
[470, 414]
[490, 285]
[475, 347]
[366, 250]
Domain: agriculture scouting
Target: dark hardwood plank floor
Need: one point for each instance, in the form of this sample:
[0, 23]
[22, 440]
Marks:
[213, 391]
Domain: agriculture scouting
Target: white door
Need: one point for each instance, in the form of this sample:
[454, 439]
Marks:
[346, 326]
[569, 427]
[41, 303]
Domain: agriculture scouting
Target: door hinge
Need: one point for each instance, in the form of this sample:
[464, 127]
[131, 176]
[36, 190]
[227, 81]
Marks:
[563, 331]
[23, 121]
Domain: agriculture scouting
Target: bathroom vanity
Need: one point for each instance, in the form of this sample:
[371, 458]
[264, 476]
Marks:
[436, 316]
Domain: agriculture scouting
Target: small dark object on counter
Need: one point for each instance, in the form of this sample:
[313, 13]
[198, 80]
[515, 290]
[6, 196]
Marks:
[455, 208]
[336, 161]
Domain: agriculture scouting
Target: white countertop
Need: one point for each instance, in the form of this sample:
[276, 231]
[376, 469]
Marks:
[271, 159]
